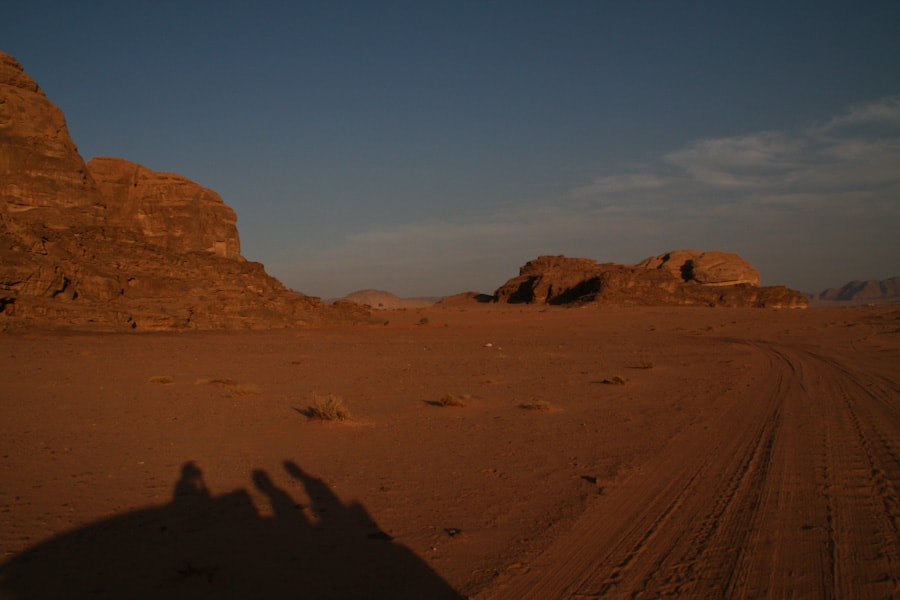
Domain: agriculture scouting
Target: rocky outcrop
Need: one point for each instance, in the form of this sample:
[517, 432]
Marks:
[669, 279]
[869, 291]
[709, 268]
[114, 245]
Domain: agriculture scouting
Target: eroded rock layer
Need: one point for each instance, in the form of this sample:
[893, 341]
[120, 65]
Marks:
[168, 210]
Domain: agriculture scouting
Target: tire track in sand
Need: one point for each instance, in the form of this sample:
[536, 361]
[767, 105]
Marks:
[795, 496]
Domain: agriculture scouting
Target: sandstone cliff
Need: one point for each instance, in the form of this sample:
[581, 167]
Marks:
[167, 210]
[114, 245]
[43, 179]
[685, 277]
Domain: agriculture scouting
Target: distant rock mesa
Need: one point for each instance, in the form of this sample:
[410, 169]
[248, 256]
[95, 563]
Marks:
[380, 299]
[113, 245]
[681, 277]
[869, 291]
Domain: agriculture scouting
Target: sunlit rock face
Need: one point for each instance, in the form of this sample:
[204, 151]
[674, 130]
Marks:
[713, 267]
[43, 179]
[168, 210]
[683, 277]
[114, 245]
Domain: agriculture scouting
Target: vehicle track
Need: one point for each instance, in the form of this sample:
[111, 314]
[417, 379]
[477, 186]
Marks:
[792, 491]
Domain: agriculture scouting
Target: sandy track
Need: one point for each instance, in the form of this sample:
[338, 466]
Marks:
[789, 493]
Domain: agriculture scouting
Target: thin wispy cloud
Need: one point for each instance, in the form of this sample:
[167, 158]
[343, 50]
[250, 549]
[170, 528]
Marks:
[627, 182]
[881, 118]
[855, 156]
[739, 161]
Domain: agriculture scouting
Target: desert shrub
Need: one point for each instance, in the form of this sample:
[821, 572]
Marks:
[615, 380]
[539, 405]
[328, 408]
[451, 400]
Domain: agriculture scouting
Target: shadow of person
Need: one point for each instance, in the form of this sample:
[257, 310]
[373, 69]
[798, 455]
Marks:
[190, 486]
[205, 546]
[282, 504]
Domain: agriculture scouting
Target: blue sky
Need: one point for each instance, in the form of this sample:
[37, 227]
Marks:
[429, 148]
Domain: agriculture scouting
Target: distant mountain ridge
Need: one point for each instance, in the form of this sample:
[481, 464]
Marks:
[871, 290]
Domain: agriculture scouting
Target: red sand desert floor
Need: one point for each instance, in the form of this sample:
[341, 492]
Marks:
[748, 453]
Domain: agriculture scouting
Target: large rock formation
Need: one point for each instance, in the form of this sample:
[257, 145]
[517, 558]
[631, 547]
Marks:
[114, 245]
[869, 291]
[685, 277]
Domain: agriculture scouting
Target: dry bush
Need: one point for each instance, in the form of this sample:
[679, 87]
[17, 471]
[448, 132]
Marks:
[452, 400]
[328, 408]
[161, 379]
[615, 380]
[539, 405]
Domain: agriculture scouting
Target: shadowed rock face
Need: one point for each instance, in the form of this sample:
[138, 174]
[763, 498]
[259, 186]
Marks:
[686, 277]
[114, 245]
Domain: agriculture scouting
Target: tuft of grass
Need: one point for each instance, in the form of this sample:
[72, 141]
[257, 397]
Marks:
[615, 380]
[538, 405]
[328, 408]
[452, 400]
[161, 379]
